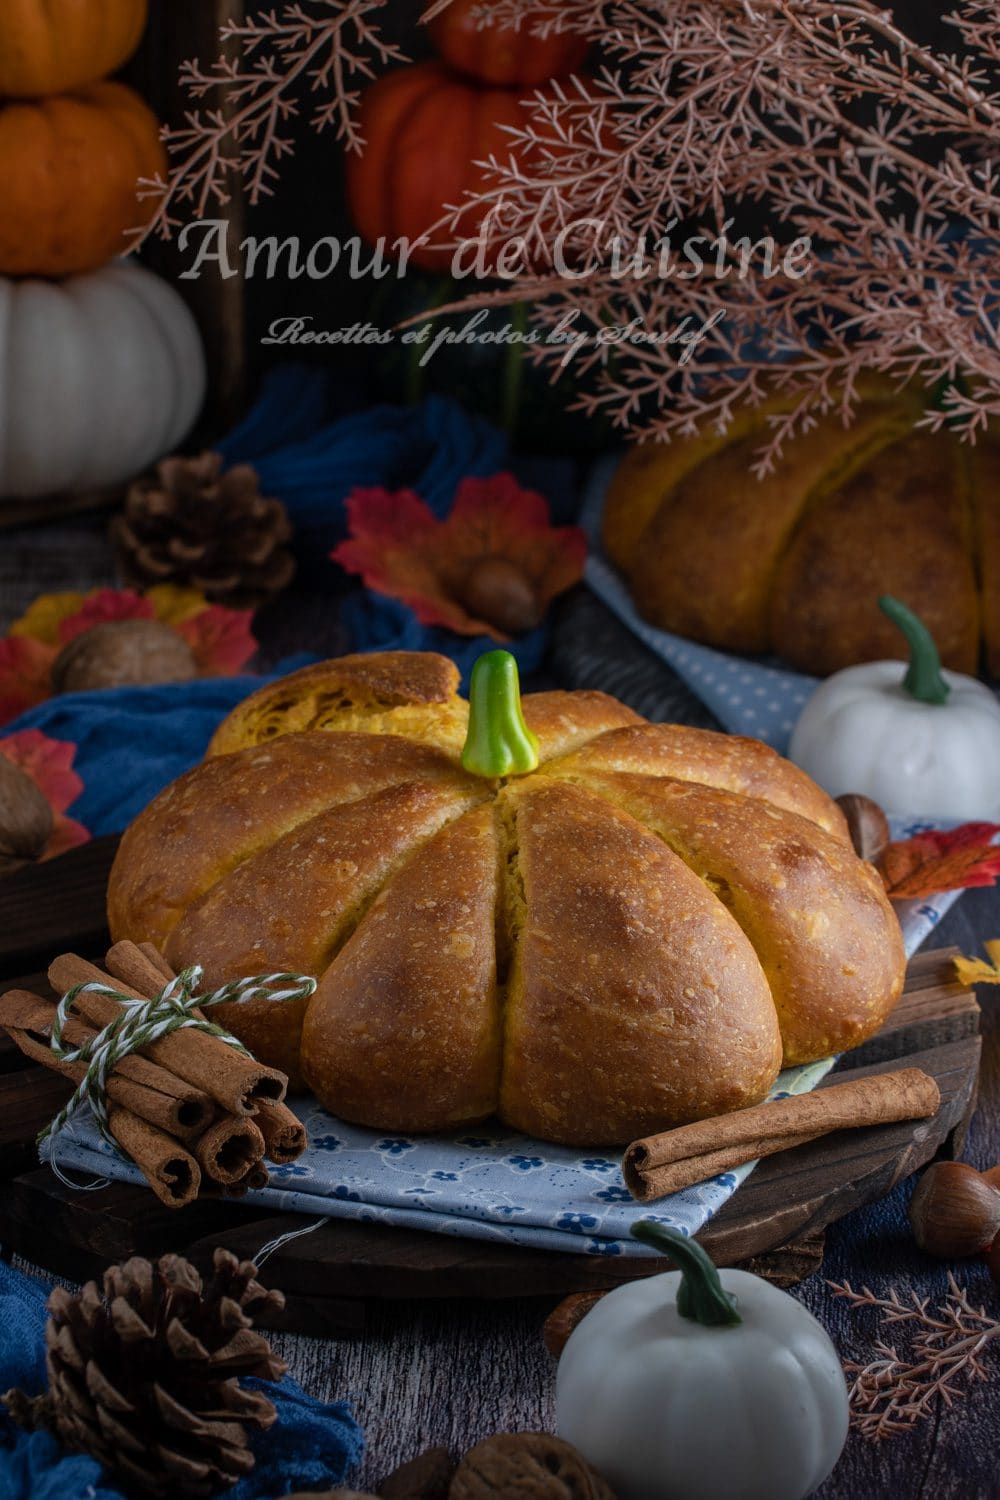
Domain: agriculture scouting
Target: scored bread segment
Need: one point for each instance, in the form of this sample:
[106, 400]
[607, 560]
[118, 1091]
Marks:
[817, 916]
[563, 722]
[701, 755]
[228, 809]
[404, 1030]
[715, 525]
[634, 1000]
[292, 905]
[849, 548]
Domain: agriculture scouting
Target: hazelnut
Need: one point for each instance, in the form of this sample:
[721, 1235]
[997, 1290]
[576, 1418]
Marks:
[954, 1211]
[25, 817]
[530, 1464]
[123, 653]
[563, 1319]
[496, 590]
[867, 825]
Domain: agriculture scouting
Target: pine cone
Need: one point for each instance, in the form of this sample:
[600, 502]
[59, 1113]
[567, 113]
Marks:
[195, 526]
[146, 1379]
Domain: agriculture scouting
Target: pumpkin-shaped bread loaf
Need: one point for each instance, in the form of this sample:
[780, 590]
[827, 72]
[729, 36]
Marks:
[796, 562]
[630, 937]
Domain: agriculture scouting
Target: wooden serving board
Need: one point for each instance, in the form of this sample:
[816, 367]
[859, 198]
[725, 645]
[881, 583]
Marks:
[772, 1221]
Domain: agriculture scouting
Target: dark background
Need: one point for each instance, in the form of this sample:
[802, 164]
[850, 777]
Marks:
[308, 202]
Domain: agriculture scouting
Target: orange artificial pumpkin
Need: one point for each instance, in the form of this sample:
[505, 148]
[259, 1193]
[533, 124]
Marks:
[502, 54]
[70, 166]
[425, 128]
[50, 46]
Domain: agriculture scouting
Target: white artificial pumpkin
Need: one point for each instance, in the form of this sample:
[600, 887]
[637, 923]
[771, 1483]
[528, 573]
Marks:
[922, 742]
[99, 376]
[702, 1385]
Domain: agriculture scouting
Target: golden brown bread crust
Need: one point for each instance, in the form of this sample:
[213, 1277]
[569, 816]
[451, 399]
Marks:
[634, 1002]
[719, 527]
[392, 692]
[723, 760]
[796, 561]
[817, 916]
[562, 722]
[899, 526]
[290, 907]
[363, 857]
[404, 1031]
[229, 808]
[651, 472]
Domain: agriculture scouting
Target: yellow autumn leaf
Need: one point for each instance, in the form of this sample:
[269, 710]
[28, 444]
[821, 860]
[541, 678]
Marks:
[972, 971]
[174, 605]
[43, 618]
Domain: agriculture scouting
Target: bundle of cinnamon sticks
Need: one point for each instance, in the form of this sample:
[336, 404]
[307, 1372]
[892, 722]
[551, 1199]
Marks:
[192, 1112]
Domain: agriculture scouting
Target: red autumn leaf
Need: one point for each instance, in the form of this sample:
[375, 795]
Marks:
[400, 548]
[25, 675]
[105, 607]
[49, 763]
[934, 861]
[220, 638]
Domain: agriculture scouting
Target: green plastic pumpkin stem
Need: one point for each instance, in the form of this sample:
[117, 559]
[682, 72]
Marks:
[499, 742]
[701, 1295]
[923, 680]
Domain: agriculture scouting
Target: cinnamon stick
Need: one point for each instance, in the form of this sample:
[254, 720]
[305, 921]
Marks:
[235, 1082]
[254, 1180]
[136, 1084]
[157, 960]
[229, 1149]
[284, 1134]
[171, 1172]
[662, 1164]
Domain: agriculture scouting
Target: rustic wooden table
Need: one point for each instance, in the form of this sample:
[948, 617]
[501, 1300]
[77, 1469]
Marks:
[437, 1372]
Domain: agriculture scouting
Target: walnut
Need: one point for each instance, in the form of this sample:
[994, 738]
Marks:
[25, 818]
[426, 1477]
[123, 653]
[531, 1465]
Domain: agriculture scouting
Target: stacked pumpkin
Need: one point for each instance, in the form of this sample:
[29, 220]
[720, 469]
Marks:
[426, 126]
[97, 349]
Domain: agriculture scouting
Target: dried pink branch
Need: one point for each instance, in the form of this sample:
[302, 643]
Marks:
[321, 49]
[808, 120]
[892, 1392]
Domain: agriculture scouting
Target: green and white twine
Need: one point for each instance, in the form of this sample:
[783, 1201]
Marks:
[142, 1022]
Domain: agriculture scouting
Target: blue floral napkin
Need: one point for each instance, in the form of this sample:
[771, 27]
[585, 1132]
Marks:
[487, 1183]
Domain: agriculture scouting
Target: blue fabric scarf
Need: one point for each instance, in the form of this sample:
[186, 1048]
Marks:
[311, 1446]
[132, 742]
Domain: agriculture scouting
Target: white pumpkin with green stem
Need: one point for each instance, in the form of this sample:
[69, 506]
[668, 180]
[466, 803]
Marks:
[921, 741]
[702, 1385]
